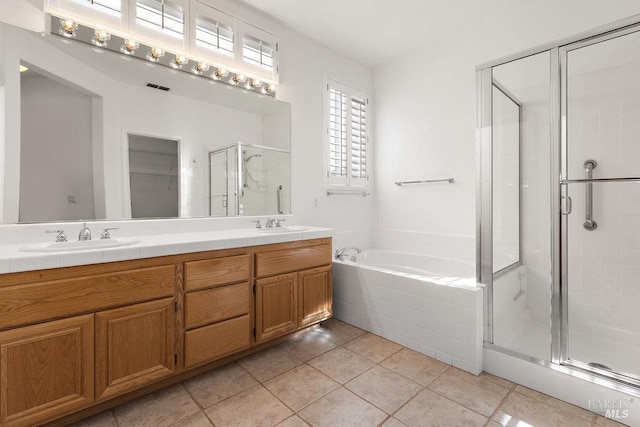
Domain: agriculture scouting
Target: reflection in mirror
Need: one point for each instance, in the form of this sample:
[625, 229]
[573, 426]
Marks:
[249, 180]
[153, 177]
[56, 166]
[106, 97]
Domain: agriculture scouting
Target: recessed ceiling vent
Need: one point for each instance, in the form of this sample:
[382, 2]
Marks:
[155, 86]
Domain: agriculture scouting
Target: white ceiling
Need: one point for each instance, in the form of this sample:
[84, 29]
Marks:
[376, 31]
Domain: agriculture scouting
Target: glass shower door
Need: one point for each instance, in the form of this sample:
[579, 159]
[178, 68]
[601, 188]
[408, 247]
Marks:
[600, 189]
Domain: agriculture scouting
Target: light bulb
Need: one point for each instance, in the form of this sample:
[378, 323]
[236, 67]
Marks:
[268, 88]
[101, 38]
[155, 54]
[256, 84]
[68, 27]
[129, 46]
[200, 68]
[239, 78]
[179, 61]
[220, 73]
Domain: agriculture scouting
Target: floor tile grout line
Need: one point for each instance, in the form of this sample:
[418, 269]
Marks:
[593, 414]
[294, 411]
[495, 412]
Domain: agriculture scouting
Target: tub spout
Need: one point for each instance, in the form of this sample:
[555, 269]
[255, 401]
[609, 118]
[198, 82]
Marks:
[342, 253]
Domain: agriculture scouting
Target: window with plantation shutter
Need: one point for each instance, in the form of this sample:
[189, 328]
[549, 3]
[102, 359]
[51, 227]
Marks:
[257, 52]
[347, 136]
[214, 35]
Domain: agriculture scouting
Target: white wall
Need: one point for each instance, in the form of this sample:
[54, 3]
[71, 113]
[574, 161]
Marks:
[425, 118]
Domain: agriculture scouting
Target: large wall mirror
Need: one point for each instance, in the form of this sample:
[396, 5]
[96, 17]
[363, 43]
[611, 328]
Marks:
[88, 134]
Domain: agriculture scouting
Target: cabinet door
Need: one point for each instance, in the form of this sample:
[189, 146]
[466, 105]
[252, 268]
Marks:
[276, 306]
[46, 370]
[315, 297]
[134, 346]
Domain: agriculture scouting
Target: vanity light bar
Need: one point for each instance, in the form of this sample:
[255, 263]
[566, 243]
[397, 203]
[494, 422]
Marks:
[100, 39]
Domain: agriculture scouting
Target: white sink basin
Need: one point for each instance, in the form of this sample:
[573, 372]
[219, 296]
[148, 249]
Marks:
[292, 229]
[78, 245]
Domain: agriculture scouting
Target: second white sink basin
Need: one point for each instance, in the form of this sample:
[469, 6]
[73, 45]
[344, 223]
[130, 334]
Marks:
[292, 229]
[78, 245]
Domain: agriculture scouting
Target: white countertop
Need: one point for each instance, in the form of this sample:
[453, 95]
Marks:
[13, 259]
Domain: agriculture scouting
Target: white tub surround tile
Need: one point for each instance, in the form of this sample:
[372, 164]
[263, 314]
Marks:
[427, 315]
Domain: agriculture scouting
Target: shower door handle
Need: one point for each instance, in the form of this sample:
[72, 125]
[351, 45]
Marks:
[589, 223]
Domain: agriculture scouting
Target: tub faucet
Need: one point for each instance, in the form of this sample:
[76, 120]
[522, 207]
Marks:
[85, 233]
[341, 253]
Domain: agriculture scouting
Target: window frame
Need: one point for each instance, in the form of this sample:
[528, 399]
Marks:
[347, 182]
[246, 29]
[207, 11]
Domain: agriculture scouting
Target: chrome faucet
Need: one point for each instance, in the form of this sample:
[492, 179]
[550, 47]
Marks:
[341, 253]
[270, 223]
[85, 233]
[61, 237]
[106, 232]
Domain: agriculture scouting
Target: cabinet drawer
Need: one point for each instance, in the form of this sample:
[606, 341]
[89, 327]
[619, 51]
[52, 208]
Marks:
[59, 298]
[214, 305]
[217, 340]
[215, 272]
[287, 260]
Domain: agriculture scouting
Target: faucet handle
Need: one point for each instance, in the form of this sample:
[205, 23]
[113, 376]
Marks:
[279, 222]
[258, 225]
[106, 232]
[61, 237]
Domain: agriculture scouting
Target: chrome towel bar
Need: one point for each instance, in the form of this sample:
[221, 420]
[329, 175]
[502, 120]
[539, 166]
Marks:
[347, 193]
[424, 181]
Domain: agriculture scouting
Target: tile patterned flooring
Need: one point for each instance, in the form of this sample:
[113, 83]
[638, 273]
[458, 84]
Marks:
[339, 375]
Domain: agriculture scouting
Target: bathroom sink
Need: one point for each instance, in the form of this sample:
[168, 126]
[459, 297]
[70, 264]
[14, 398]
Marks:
[292, 229]
[78, 245]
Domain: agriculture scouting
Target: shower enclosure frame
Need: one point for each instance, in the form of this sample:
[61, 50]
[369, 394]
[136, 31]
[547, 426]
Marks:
[239, 181]
[559, 357]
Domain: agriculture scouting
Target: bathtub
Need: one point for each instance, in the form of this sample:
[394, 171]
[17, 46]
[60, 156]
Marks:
[429, 304]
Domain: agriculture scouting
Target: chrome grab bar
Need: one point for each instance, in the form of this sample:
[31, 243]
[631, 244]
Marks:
[278, 191]
[589, 223]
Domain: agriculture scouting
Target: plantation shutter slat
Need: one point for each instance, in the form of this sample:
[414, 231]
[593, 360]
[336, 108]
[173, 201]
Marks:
[358, 138]
[338, 133]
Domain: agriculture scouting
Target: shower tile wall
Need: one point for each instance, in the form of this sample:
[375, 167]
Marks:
[604, 267]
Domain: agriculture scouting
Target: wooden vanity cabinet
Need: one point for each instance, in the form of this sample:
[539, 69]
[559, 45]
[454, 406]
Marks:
[299, 297]
[82, 338]
[76, 336]
[47, 370]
